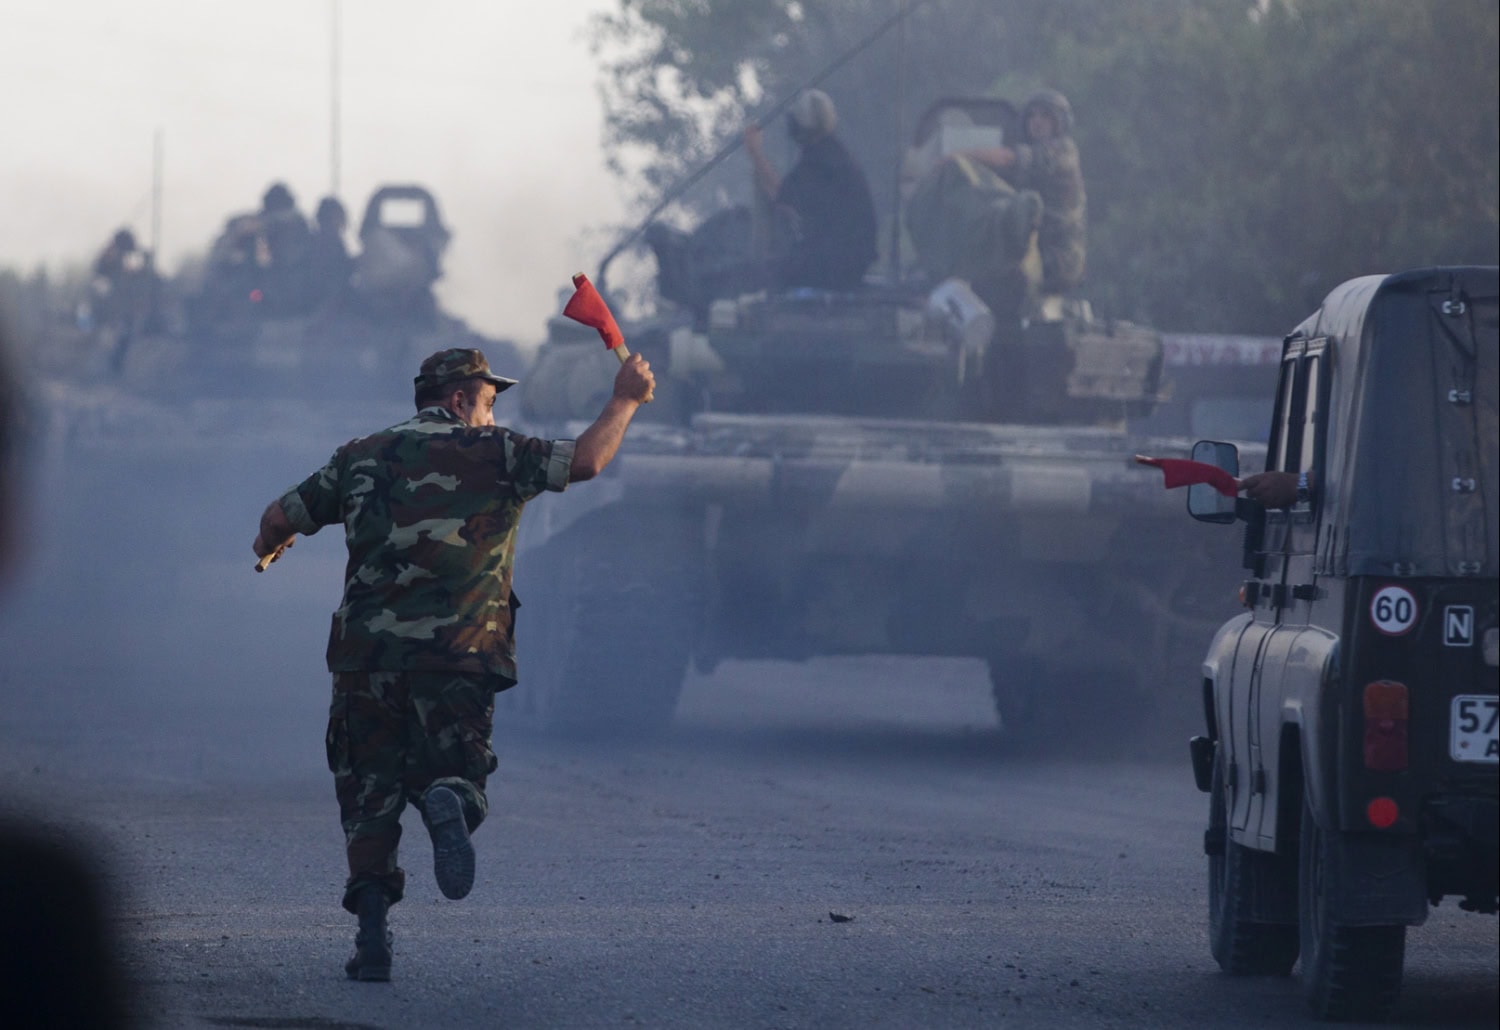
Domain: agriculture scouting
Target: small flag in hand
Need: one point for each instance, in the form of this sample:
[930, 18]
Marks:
[588, 307]
[1182, 472]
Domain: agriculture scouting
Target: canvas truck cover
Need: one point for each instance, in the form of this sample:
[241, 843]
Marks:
[1410, 457]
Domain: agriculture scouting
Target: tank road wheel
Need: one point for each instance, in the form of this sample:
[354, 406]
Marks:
[1348, 972]
[1241, 946]
[602, 647]
[1015, 685]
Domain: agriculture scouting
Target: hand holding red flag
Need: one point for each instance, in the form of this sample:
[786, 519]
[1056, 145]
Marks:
[1182, 472]
[588, 307]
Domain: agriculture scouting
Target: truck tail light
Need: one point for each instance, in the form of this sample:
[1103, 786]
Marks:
[1385, 726]
[1382, 813]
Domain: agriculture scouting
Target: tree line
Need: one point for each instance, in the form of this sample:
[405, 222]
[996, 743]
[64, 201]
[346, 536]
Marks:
[1242, 156]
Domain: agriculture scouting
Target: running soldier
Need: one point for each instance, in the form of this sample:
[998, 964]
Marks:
[424, 637]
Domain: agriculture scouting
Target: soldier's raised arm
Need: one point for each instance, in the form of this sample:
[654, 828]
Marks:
[597, 445]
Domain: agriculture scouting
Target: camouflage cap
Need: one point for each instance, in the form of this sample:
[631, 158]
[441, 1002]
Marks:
[455, 365]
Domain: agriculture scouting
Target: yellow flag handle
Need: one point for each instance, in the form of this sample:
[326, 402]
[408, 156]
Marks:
[265, 561]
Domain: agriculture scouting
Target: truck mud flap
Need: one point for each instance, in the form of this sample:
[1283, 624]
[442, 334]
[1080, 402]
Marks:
[1383, 881]
[1460, 834]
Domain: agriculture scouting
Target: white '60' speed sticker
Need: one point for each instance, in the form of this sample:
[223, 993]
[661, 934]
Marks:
[1393, 610]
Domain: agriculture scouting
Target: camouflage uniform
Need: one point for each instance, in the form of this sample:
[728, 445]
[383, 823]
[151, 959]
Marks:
[1051, 168]
[424, 636]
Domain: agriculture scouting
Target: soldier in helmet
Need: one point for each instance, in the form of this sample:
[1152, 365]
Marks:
[123, 294]
[1047, 162]
[329, 264]
[118, 257]
[824, 200]
[287, 241]
[424, 637]
[257, 265]
[285, 229]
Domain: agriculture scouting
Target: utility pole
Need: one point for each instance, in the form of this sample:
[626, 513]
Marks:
[897, 270]
[156, 175]
[335, 33]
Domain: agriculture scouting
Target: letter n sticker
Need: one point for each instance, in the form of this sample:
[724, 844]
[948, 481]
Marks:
[1458, 625]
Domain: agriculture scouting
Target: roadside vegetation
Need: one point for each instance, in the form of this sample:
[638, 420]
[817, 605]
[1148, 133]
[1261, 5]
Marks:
[1242, 157]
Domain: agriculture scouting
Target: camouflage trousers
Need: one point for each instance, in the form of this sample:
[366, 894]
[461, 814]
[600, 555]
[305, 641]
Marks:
[392, 735]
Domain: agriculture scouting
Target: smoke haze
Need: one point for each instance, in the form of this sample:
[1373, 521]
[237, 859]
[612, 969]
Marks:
[492, 107]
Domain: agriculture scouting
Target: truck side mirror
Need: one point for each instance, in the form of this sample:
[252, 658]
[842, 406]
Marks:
[1204, 502]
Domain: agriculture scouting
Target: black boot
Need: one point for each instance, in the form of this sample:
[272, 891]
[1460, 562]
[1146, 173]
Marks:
[372, 945]
[452, 851]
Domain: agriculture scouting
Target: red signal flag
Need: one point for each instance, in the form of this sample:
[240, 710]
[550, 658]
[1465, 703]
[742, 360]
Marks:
[1182, 472]
[588, 307]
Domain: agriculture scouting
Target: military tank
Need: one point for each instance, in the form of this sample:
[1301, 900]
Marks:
[902, 469]
[187, 415]
[274, 309]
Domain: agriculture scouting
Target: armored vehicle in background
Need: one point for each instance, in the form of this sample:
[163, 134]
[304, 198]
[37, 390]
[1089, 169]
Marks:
[902, 469]
[1218, 386]
[278, 308]
[153, 470]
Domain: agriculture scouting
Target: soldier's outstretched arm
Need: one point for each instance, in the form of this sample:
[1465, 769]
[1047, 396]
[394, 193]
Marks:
[767, 181]
[276, 535]
[1277, 489]
[596, 446]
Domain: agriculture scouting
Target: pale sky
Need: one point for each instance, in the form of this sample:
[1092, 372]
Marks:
[490, 104]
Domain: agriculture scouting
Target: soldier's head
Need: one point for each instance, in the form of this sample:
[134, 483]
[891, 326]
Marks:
[810, 116]
[1046, 115]
[277, 198]
[459, 379]
[331, 216]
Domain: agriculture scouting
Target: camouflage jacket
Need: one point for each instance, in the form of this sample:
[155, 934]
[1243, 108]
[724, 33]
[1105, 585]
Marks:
[1052, 169]
[430, 508]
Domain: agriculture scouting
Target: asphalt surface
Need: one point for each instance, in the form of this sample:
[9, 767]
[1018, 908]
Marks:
[836, 844]
[840, 844]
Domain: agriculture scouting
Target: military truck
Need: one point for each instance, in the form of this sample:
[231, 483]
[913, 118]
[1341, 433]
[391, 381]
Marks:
[1350, 751]
[902, 469]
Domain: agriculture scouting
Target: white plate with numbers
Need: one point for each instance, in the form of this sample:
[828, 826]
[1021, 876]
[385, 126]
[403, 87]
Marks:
[1473, 736]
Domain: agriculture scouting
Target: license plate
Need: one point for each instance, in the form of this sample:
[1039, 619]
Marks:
[1473, 737]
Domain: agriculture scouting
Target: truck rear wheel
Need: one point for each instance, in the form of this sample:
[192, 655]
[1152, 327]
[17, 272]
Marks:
[1348, 972]
[1240, 945]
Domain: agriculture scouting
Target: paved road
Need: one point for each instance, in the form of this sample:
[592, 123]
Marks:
[840, 844]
